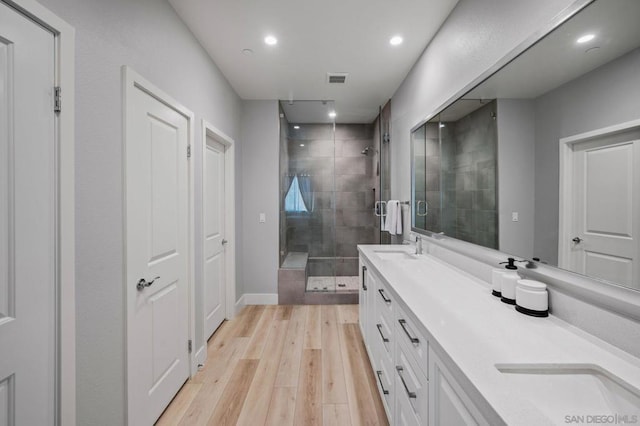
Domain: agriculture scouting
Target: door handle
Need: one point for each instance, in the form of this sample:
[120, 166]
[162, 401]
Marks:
[577, 240]
[364, 284]
[384, 391]
[380, 208]
[403, 323]
[410, 394]
[385, 298]
[426, 208]
[224, 242]
[384, 339]
[142, 283]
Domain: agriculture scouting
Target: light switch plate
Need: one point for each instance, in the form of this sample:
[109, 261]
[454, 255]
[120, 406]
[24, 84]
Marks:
[263, 218]
[514, 216]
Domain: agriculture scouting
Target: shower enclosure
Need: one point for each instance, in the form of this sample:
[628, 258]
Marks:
[330, 181]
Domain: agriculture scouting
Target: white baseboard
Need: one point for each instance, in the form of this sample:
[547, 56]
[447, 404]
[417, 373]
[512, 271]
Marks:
[201, 355]
[239, 305]
[256, 299]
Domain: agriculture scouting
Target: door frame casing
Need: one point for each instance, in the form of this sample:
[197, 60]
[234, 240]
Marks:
[131, 81]
[65, 309]
[567, 167]
[208, 130]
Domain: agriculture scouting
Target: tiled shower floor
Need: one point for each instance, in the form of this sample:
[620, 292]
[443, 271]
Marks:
[333, 283]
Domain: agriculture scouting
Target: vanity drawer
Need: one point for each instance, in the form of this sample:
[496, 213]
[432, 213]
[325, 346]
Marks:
[411, 389]
[410, 336]
[384, 373]
[384, 302]
[385, 335]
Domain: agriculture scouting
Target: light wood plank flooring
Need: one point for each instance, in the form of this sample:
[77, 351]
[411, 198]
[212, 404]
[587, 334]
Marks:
[283, 365]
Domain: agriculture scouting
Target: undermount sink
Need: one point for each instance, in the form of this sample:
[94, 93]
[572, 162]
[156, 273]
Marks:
[394, 255]
[560, 390]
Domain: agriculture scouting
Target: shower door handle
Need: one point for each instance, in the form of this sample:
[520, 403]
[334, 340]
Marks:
[426, 208]
[380, 208]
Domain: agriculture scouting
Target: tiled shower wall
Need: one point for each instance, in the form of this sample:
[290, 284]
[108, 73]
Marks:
[342, 178]
[469, 158]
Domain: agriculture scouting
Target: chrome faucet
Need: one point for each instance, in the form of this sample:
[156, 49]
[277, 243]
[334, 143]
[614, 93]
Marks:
[418, 244]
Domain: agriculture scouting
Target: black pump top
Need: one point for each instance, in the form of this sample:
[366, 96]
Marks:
[510, 263]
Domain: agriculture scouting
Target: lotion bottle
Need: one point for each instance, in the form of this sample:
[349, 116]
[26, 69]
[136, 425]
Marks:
[509, 281]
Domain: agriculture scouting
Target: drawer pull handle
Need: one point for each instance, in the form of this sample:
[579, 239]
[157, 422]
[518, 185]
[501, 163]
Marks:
[384, 391]
[384, 339]
[406, 389]
[385, 298]
[404, 327]
[364, 285]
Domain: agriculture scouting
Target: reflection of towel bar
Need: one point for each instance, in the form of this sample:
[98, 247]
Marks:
[380, 211]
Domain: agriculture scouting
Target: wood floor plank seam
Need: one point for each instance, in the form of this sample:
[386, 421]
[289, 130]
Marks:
[239, 382]
[228, 409]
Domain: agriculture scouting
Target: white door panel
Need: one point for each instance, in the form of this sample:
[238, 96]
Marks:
[27, 221]
[617, 269]
[157, 251]
[608, 198]
[214, 202]
[605, 211]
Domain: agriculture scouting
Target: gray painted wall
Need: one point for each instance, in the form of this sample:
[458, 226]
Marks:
[148, 36]
[260, 134]
[606, 96]
[475, 36]
[516, 176]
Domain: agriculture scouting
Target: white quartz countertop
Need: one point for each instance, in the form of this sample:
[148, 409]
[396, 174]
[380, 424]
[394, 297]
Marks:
[478, 331]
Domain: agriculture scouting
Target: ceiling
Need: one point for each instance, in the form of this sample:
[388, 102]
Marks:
[558, 58]
[315, 38]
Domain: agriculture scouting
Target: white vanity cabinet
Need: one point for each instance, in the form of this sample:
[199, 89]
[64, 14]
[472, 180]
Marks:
[449, 404]
[414, 385]
[376, 324]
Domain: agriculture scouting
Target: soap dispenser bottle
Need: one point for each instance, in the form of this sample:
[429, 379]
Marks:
[509, 280]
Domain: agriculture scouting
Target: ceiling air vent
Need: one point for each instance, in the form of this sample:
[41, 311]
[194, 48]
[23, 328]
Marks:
[337, 77]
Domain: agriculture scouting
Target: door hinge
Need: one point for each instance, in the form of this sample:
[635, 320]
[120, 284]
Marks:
[188, 151]
[190, 346]
[57, 99]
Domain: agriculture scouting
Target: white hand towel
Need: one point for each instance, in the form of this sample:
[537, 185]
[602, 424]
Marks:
[398, 218]
[391, 221]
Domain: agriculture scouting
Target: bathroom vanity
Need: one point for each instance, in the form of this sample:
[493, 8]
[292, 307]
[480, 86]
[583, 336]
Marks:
[444, 351]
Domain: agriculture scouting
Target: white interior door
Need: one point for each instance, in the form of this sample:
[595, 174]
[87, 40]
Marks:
[157, 247]
[27, 221]
[214, 242]
[606, 215]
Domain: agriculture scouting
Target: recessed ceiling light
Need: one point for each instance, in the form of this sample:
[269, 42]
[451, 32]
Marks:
[271, 40]
[395, 40]
[585, 38]
[301, 144]
[332, 114]
[247, 52]
[296, 127]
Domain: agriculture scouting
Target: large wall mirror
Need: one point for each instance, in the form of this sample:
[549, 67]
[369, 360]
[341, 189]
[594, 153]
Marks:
[542, 159]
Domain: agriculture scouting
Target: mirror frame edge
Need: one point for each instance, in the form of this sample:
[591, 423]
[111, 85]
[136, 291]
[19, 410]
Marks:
[611, 296]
